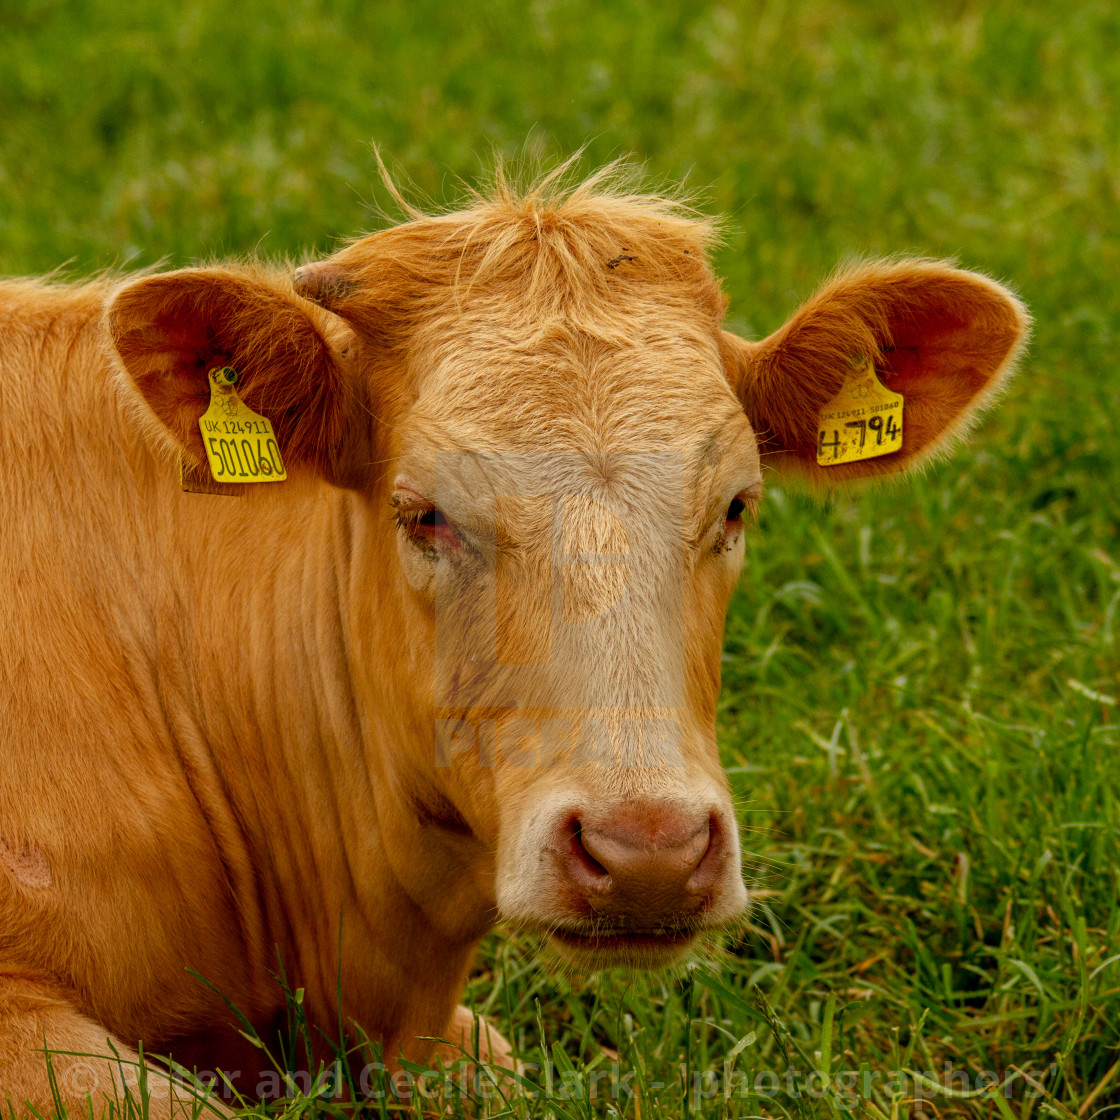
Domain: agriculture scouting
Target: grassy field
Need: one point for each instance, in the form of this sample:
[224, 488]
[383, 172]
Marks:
[920, 706]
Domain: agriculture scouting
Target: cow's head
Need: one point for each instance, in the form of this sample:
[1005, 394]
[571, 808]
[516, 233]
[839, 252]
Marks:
[557, 449]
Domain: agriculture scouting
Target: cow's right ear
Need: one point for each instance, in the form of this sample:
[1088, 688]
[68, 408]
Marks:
[171, 329]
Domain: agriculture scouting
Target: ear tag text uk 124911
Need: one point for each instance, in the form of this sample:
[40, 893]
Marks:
[240, 443]
[863, 420]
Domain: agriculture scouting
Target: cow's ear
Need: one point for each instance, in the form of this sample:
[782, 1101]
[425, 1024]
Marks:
[171, 329]
[945, 339]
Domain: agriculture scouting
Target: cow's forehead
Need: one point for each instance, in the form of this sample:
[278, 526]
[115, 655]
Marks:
[521, 387]
[646, 428]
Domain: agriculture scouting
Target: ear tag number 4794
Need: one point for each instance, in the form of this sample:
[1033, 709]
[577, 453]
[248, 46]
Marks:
[863, 421]
[240, 444]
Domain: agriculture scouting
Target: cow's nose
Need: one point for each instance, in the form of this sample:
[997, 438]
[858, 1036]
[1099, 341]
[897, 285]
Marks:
[645, 863]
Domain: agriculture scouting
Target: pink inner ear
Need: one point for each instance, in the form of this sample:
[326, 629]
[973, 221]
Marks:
[196, 345]
[940, 362]
[170, 359]
[928, 344]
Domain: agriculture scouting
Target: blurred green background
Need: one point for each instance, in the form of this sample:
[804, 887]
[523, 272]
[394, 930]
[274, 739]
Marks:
[919, 710]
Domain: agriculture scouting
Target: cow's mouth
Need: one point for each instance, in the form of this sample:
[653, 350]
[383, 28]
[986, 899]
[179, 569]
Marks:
[630, 944]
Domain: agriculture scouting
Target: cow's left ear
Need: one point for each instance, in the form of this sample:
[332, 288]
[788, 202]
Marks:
[945, 339]
[171, 329]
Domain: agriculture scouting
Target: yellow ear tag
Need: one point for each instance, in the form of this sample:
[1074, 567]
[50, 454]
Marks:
[863, 421]
[240, 444]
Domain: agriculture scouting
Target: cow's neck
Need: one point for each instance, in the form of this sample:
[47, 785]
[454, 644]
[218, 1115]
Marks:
[309, 763]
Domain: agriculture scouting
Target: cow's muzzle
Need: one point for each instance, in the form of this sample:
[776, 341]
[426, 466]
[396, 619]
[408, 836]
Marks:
[640, 881]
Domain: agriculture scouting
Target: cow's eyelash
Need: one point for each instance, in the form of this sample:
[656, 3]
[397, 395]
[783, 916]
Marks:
[747, 502]
[750, 506]
[413, 518]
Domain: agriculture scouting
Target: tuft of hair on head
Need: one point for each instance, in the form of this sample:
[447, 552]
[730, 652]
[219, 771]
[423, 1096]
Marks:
[547, 240]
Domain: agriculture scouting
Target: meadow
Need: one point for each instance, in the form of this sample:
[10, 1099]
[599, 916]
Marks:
[920, 709]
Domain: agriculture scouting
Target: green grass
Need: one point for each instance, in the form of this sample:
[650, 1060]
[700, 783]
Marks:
[919, 709]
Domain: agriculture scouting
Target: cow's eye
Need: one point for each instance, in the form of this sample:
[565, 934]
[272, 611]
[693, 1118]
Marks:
[426, 525]
[745, 502]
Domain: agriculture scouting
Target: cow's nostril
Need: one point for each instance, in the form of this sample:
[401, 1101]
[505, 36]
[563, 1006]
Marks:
[579, 853]
[709, 867]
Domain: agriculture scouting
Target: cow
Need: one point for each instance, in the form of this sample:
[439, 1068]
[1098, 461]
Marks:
[459, 666]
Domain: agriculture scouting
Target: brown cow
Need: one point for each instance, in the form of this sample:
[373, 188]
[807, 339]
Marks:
[461, 666]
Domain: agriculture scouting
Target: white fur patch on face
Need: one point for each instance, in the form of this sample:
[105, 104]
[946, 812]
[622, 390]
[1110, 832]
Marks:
[28, 866]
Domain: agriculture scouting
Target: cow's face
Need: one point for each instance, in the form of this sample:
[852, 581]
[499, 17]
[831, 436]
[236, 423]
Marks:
[571, 512]
[557, 448]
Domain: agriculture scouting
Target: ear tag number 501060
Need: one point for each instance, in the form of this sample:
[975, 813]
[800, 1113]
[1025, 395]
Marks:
[240, 444]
